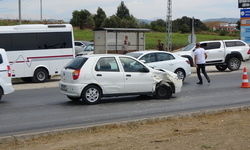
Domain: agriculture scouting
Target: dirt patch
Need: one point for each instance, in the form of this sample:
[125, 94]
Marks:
[221, 131]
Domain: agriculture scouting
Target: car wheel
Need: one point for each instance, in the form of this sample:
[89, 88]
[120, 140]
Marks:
[75, 99]
[1, 93]
[91, 94]
[163, 92]
[40, 75]
[221, 67]
[180, 73]
[233, 64]
[27, 79]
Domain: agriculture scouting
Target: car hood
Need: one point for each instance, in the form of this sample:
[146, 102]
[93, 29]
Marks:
[183, 52]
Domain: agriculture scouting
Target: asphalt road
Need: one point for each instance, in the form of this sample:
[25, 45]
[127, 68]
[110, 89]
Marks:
[34, 110]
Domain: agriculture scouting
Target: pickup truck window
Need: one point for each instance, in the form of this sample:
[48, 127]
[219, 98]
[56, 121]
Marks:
[234, 43]
[212, 45]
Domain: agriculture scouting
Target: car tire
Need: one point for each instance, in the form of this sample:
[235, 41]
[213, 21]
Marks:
[75, 99]
[233, 64]
[163, 91]
[180, 73]
[27, 79]
[221, 67]
[91, 94]
[40, 75]
[1, 93]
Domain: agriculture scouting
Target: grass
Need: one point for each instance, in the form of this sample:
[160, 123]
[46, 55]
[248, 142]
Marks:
[178, 40]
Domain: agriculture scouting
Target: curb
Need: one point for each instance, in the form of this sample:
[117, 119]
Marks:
[36, 135]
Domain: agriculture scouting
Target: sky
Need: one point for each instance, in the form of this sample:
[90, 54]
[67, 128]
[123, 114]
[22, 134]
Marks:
[140, 9]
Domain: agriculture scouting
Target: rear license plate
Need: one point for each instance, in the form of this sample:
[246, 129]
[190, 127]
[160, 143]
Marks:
[64, 87]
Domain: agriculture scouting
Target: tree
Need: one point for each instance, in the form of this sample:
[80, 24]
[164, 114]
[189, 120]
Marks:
[238, 25]
[79, 18]
[122, 11]
[99, 17]
[185, 28]
[111, 22]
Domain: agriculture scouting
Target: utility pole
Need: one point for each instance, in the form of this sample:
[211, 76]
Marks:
[20, 12]
[41, 18]
[168, 38]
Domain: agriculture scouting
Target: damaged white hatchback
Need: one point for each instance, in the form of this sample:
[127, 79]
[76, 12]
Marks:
[91, 77]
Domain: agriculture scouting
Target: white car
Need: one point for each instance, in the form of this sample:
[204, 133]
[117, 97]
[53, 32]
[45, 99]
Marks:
[90, 77]
[80, 45]
[5, 74]
[88, 50]
[164, 60]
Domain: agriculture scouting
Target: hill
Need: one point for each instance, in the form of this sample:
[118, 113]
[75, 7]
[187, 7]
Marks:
[222, 20]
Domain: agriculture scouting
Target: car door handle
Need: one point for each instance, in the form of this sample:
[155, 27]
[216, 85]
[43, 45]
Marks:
[128, 75]
[99, 75]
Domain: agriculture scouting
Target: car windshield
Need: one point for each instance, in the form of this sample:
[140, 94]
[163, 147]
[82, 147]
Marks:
[189, 47]
[76, 63]
[135, 55]
[90, 47]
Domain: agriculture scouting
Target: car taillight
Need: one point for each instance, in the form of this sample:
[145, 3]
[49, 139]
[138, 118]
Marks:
[9, 72]
[248, 51]
[188, 62]
[76, 74]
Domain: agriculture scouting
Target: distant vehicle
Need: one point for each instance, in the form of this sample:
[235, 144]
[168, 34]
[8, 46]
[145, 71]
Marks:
[81, 45]
[222, 54]
[164, 60]
[36, 52]
[88, 50]
[5, 74]
[90, 77]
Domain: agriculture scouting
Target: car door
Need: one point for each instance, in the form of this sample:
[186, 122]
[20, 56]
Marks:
[215, 52]
[137, 76]
[109, 76]
[161, 60]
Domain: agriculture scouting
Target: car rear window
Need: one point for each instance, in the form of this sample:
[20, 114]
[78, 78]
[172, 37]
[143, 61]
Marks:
[234, 43]
[76, 63]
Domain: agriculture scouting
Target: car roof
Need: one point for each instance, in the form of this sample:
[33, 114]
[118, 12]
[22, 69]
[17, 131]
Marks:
[104, 55]
[150, 51]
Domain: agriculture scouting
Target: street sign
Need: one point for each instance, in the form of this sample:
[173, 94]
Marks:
[243, 3]
[190, 39]
[245, 13]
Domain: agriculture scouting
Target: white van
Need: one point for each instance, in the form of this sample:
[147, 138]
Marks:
[36, 52]
[5, 75]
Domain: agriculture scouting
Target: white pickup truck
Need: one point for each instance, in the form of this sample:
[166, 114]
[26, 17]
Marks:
[223, 54]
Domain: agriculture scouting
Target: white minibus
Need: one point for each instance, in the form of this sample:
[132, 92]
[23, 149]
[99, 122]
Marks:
[35, 52]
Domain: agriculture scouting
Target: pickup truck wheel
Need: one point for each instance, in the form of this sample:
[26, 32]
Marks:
[91, 95]
[163, 92]
[233, 64]
[180, 73]
[221, 67]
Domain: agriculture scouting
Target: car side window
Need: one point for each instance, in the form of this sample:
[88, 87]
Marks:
[148, 58]
[164, 56]
[1, 59]
[212, 45]
[78, 44]
[234, 43]
[107, 64]
[131, 65]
